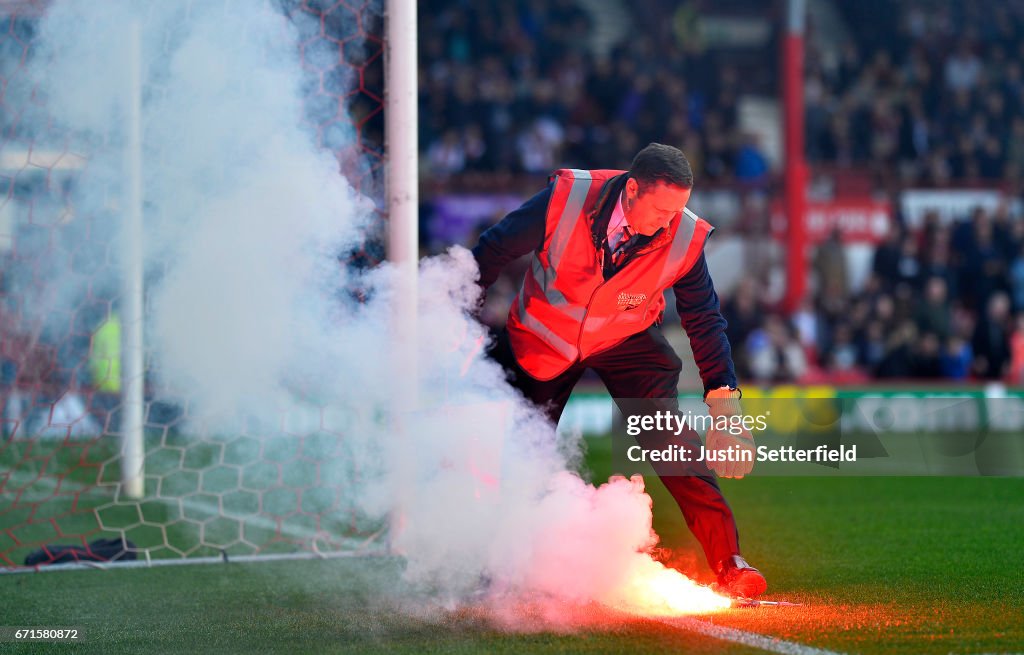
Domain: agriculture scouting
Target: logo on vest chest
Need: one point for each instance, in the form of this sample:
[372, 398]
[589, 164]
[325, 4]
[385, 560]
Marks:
[627, 301]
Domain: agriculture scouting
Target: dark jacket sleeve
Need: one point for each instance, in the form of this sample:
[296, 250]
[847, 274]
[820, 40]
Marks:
[519, 233]
[698, 308]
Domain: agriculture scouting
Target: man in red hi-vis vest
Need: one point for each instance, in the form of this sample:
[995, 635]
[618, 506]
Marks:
[606, 245]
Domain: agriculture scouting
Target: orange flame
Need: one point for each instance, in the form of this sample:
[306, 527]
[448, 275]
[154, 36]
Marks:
[652, 589]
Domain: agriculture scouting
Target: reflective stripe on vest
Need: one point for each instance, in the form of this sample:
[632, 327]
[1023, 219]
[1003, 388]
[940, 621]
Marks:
[683, 246]
[545, 276]
[570, 214]
[564, 348]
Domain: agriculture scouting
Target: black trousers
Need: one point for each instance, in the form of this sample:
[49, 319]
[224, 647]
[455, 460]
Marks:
[643, 366]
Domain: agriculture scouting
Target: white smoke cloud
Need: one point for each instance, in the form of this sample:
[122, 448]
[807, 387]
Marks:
[248, 320]
[242, 209]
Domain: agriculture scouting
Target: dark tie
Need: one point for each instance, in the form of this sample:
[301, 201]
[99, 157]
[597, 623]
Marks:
[619, 254]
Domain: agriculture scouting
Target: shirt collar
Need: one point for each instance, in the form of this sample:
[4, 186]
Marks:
[618, 218]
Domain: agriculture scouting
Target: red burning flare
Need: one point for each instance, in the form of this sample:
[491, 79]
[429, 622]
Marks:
[652, 589]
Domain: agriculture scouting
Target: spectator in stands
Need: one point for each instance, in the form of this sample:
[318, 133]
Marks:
[963, 68]
[885, 263]
[540, 145]
[475, 148]
[830, 264]
[991, 342]
[897, 361]
[446, 155]
[842, 356]
[936, 261]
[983, 270]
[871, 346]
[774, 353]
[1017, 279]
[742, 311]
[908, 265]
[1015, 147]
[927, 358]
[1016, 373]
[751, 164]
[885, 312]
[956, 359]
[807, 326]
[933, 315]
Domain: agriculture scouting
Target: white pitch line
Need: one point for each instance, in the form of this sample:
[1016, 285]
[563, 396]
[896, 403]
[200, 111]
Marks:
[752, 639]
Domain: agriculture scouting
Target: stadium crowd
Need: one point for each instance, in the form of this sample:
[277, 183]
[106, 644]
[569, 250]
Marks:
[944, 302]
[514, 88]
[932, 98]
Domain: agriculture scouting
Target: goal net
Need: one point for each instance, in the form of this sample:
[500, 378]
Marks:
[65, 282]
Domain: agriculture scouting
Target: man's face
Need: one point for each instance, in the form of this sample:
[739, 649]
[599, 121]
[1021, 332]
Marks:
[653, 210]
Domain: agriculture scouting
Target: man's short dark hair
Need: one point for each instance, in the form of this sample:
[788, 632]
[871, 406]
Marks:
[661, 163]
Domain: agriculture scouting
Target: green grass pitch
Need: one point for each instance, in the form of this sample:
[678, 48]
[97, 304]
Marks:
[882, 565]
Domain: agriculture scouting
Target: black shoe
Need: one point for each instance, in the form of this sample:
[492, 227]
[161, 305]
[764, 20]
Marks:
[737, 578]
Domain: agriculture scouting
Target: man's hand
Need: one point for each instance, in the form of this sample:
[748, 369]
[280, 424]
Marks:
[736, 446]
[733, 446]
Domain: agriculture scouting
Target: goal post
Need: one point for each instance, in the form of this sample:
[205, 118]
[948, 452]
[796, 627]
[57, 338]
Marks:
[403, 228]
[133, 374]
[89, 448]
[402, 146]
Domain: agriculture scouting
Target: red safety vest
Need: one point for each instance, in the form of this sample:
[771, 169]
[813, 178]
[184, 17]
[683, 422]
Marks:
[565, 310]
